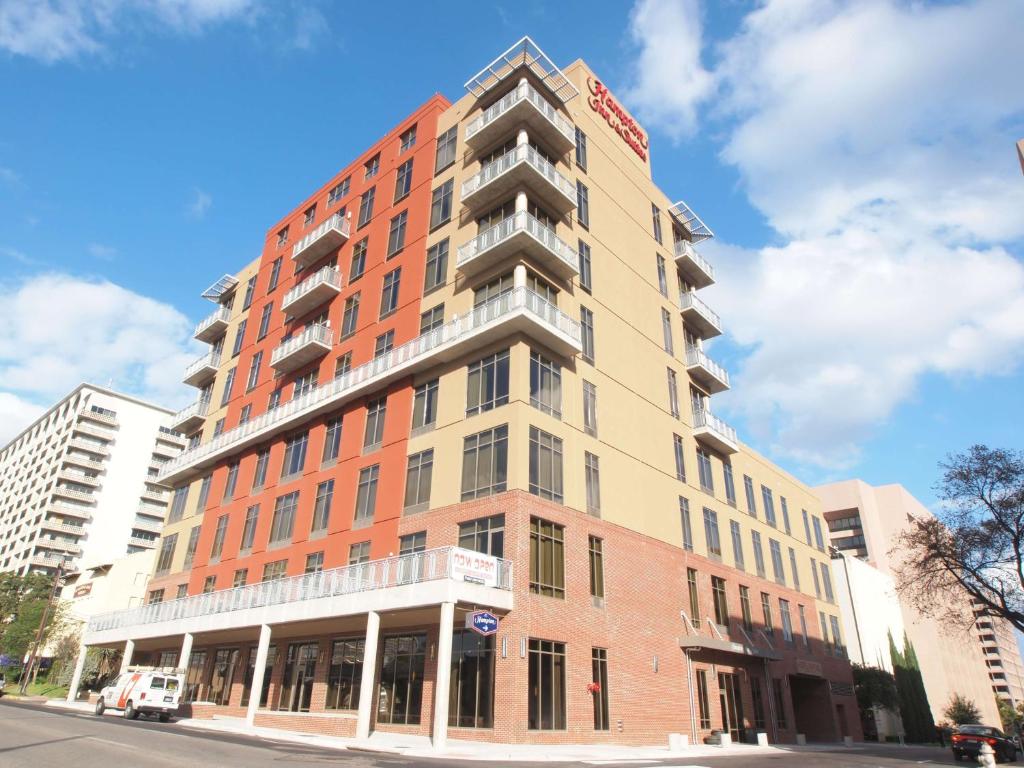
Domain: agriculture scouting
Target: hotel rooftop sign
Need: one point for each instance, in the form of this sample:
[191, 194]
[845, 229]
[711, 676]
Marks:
[601, 101]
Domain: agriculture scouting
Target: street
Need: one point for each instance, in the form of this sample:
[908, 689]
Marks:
[34, 736]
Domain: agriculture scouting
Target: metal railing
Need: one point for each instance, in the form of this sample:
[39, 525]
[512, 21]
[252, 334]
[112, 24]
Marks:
[209, 360]
[690, 301]
[336, 222]
[707, 419]
[429, 565]
[523, 92]
[327, 275]
[313, 334]
[695, 356]
[493, 311]
[222, 315]
[518, 222]
[197, 409]
[523, 153]
[684, 248]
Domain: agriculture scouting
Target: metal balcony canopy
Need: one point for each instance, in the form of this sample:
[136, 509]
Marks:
[524, 53]
[690, 221]
[221, 287]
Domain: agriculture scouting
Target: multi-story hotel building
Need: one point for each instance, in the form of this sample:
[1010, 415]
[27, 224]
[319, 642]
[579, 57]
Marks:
[79, 486]
[998, 641]
[865, 522]
[469, 374]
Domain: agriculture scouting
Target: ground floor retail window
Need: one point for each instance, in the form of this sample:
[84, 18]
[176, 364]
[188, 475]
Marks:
[297, 683]
[400, 692]
[547, 686]
[345, 674]
[757, 696]
[599, 687]
[471, 691]
[194, 676]
[780, 709]
[250, 669]
[703, 706]
[222, 674]
[168, 659]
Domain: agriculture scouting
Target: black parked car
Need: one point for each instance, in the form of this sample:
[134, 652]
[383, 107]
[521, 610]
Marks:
[967, 741]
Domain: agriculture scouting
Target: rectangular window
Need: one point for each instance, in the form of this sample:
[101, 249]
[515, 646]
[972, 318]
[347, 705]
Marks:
[240, 577]
[807, 527]
[193, 545]
[396, 233]
[837, 638]
[204, 494]
[589, 409]
[677, 448]
[769, 506]
[785, 514]
[218, 538]
[254, 371]
[787, 620]
[792, 568]
[358, 263]
[547, 558]
[587, 334]
[305, 383]
[231, 482]
[593, 483]
[359, 553]
[332, 440]
[547, 695]
[177, 510]
[275, 570]
[274, 400]
[282, 237]
[309, 215]
[780, 710]
[407, 139]
[252, 518]
[656, 221]
[283, 522]
[599, 676]
[366, 495]
[401, 679]
[250, 289]
[803, 628]
[581, 149]
[250, 670]
[441, 204]
[545, 385]
[730, 486]
[582, 205]
[707, 480]
[596, 567]
[371, 167]
[418, 479]
[720, 601]
[239, 338]
[485, 535]
[814, 576]
[412, 543]
[711, 533]
[437, 266]
[777, 567]
[424, 405]
[748, 486]
[471, 700]
[322, 506]
[737, 545]
[445, 154]
[748, 622]
[432, 319]
[755, 539]
[545, 465]
[584, 266]
[403, 180]
[245, 414]
[662, 275]
[826, 582]
[666, 331]
[703, 705]
[338, 191]
[694, 593]
[684, 516]
[260, 475]
[366, 207]
[376, 412]
[350, 317]
[209, 584]
[265, 320]
[294, 455]
[389, 292]
[485, 463]
[673, 393]
[314, 562]
[766, 610]
[819, 542]
[757, 696]
[487, 385]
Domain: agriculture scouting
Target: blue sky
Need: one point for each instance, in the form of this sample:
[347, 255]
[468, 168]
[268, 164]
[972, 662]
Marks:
[861, 180]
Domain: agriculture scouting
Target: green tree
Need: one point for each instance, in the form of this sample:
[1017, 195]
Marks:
[23, 600]
[917, 715]
[1008, 715]
[875, 688]
[962, 710]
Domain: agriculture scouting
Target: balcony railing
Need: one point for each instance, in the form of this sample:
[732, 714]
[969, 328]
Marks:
[521, 232]
[521, 165]
[214, 325]
[314, 341]
[60, 544]
[72, 493]
[501, 314]
[430, 565]
[695, 268]
[102, 415]
[95, 430]
[141, 541]
[56, 525]
[70, 510]
[148, 524]
[524, 104]
[202, 370]
[331, 234]
[710, 428]
[313, 291]
[90, 446]
[49, 561]
[710, 374]
[79, 477]
[699, 316]
[190, 417]
[82, 461]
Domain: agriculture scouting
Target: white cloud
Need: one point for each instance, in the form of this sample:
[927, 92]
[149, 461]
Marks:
[199, 205]
[668, 80]
[102, 252]
[55, 30]
[16, 413]
[877, 140]
[92, 331]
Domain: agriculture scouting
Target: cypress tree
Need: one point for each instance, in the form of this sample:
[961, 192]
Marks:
[917, 716]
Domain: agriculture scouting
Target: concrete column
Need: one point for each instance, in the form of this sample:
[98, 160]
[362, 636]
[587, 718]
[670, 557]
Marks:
[519, 276]
[76, 678]
[522, 137]
[256, 689]
[442, 681]
[186, 652]
[368, 679]
[126, 657]
[521, 204]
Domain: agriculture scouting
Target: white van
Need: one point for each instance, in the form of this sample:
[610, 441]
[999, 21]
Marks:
[143, 691]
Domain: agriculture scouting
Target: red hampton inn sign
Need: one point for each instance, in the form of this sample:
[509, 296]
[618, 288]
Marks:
[602, 102]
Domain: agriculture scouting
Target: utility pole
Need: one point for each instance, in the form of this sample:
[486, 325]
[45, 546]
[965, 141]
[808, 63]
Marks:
[42, 625]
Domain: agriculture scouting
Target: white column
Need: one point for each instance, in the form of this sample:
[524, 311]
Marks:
[76, 678]
[367, 681]
[126, 657]
[519, 276]
[522, 137]
[186, 652]
[256, 689]
[521, 203]
[442, 681]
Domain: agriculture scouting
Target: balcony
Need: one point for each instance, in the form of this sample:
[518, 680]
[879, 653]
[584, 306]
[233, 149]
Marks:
[152, 495]
[52, 524]
[520, 233]
[79, 477]
[329, 236]
[76, 511]
[61, 545]
[94, 430]
[188, 419]
[698, 316]
[100, 415]
[89, 446]
[142, 541]
[51, 561]
[146, 524]
[202, 370]
[522, 105]
[312, 292]
[77, 460]
[351, 589]
[695, 268]
[705, 371]
[519, 311]
[71, 493]
[213, 327]
[715, 433]
[314, 341]
[519, 167]
[690, 223]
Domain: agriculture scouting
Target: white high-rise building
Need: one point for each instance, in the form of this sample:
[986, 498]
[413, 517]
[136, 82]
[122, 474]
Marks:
[78, 485]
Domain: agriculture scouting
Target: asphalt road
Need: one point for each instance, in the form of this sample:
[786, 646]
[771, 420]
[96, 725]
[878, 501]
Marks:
[38, 737]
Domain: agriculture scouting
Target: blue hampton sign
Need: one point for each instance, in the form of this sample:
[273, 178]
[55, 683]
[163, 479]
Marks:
[482, 622]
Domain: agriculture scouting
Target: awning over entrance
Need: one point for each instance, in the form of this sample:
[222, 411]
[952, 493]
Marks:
[698, 642]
